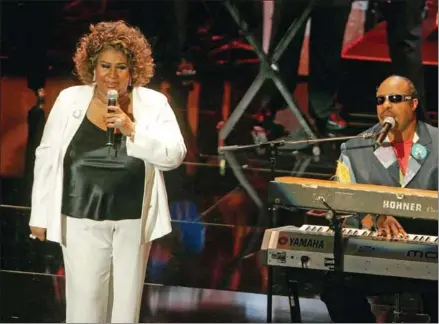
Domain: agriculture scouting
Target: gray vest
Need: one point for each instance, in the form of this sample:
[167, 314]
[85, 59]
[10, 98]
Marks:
[371, 165]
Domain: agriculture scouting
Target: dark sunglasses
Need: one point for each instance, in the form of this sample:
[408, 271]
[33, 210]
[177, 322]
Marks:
[393, 98]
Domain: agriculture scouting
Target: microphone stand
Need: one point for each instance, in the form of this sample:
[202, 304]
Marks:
[273, 147]
[277, 143]
[272, 153]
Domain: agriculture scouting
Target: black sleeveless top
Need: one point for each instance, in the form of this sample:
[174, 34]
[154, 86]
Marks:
[101, 183]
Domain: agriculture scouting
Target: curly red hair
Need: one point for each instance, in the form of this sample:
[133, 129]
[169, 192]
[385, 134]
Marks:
[119, 36]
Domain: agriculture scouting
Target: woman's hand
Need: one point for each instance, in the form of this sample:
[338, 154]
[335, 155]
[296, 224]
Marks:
[38, 233]
[118, 119]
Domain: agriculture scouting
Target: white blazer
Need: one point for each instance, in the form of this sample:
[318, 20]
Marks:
[157, 141]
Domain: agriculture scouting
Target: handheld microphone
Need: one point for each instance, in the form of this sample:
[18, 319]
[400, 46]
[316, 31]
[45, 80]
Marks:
[112, 96]
[388, 124]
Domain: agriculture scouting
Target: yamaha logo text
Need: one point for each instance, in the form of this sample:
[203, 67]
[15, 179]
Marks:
[304, 242]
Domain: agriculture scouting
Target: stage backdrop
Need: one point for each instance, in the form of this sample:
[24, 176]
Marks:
[17, 99]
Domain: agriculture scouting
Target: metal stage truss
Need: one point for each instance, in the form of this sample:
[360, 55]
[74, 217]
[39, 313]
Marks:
[268, 70]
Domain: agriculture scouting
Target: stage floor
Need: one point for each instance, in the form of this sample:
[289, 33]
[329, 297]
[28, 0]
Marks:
[211, 276]
[206, 270]
[32, 297]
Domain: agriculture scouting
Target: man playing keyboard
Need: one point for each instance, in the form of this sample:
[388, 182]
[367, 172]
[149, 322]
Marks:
[408, 157]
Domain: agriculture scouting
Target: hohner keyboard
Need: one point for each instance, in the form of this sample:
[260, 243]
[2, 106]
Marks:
[354, 198]
[311, 247]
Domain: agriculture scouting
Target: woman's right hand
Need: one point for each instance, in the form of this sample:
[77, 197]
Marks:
[38, 232]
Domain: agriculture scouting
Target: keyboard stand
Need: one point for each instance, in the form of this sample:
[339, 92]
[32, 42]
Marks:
[273, 218]
[293, 299]
[268, 70]
[334, 224]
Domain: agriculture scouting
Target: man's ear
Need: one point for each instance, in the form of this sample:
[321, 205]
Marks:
[415, 103]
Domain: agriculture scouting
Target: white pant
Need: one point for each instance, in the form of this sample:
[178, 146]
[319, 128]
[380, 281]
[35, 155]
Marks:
[105, 267]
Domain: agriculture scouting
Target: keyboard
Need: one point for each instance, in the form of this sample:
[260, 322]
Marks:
[354, 198]
[311, 247]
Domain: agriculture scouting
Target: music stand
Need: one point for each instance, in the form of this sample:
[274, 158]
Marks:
[268, 70]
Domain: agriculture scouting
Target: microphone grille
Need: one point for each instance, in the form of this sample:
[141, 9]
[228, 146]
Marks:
[390, 120]
[112, 94]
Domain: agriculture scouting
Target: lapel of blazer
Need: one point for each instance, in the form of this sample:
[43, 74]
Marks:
[139, 104]
[79, 104]
[80, 100]
[420, 151]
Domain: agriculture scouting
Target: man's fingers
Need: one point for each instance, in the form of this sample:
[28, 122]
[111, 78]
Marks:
[388, 232]
[382, 231]
[401, 229]
[395, 230]
[402, 232]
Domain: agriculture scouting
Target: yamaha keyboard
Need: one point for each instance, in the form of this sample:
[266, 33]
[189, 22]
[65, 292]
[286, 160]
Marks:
[354, 198]
[311, 247]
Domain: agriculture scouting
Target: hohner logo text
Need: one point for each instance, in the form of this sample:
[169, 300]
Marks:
[398, 205]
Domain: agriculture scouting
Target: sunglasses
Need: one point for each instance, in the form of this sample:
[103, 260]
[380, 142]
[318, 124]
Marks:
[393, 98]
